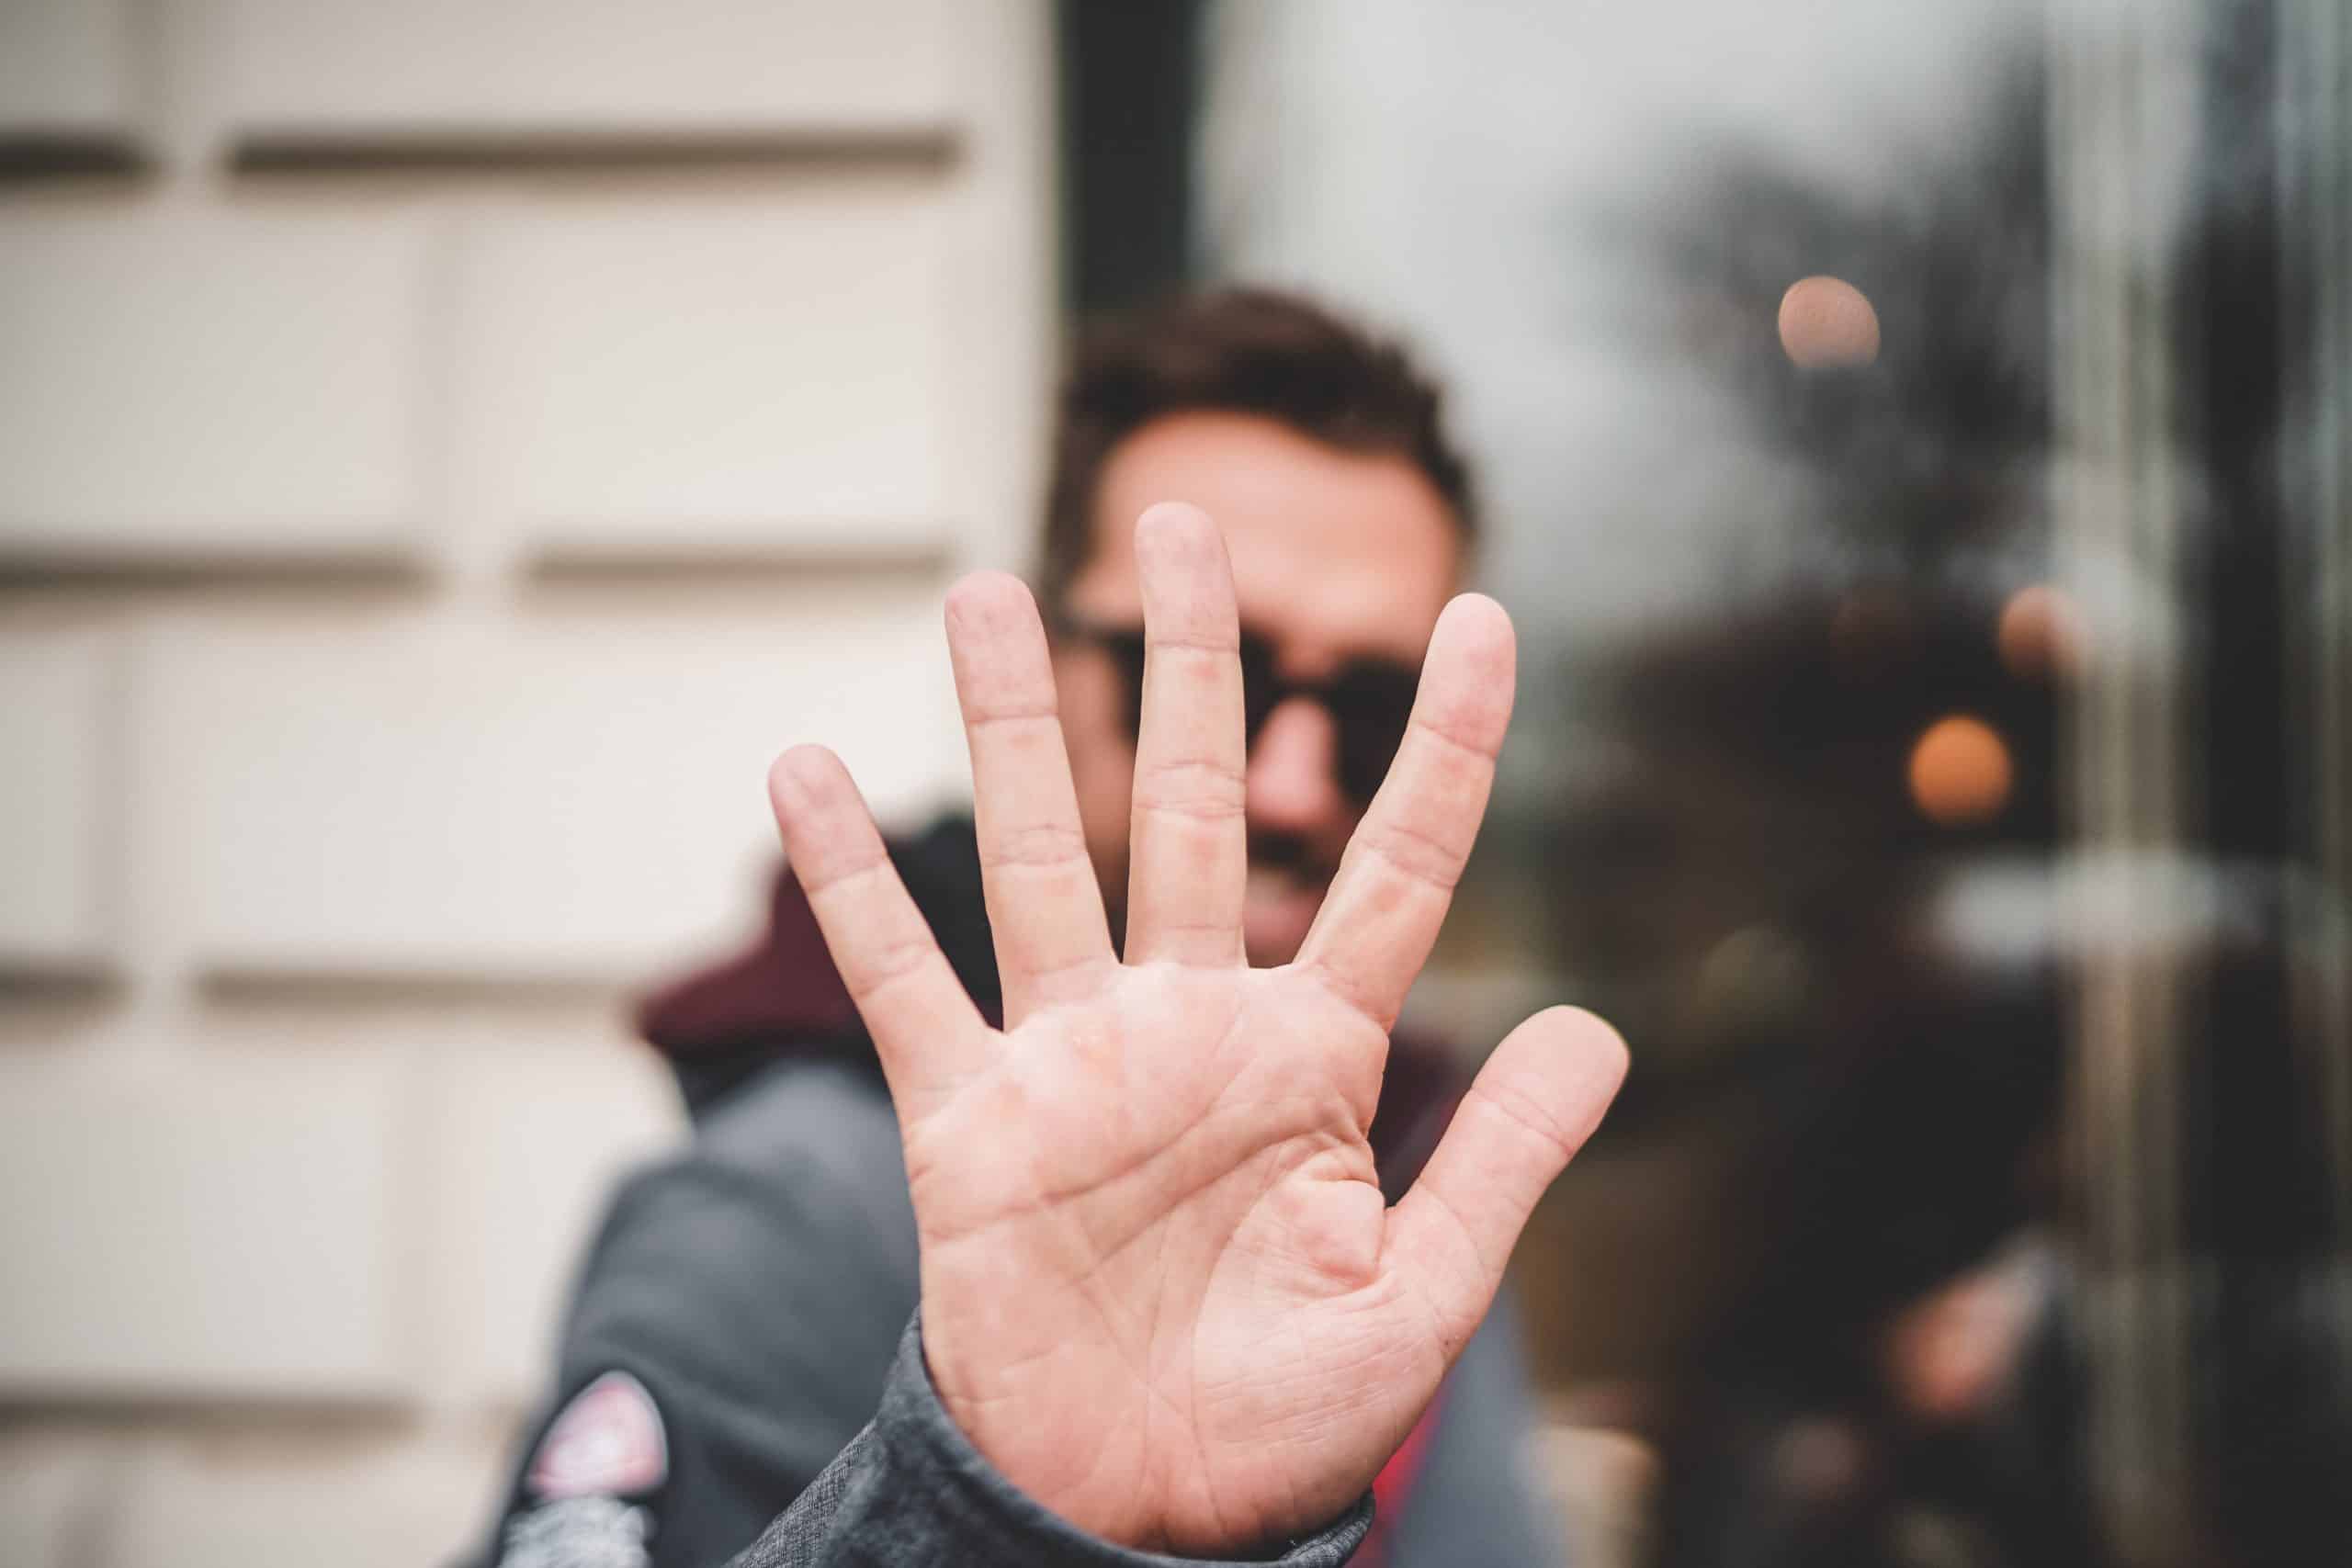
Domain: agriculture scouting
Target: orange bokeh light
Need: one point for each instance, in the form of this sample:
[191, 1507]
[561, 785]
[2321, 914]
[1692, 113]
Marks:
[2040, 633]
[1827, 323]
[1959, 771]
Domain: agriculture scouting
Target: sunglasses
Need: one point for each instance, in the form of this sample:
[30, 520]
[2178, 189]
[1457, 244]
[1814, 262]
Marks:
[1369, 700]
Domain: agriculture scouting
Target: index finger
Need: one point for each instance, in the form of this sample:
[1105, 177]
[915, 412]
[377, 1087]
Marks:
[1397, 880]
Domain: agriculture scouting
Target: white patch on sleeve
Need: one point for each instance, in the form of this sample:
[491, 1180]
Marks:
[578, 1532]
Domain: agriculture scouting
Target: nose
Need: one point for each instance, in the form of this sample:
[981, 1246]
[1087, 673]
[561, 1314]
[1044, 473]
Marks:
[1294, 785]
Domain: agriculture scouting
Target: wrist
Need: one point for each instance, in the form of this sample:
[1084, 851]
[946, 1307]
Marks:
[1017, 1515]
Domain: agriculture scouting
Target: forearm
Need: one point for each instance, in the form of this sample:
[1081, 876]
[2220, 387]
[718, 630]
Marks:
[911, 1491]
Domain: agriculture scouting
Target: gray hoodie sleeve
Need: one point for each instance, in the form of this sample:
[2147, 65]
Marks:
[911, 1491]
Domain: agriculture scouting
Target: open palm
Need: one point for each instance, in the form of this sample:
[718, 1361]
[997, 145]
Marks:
[1161, 1290]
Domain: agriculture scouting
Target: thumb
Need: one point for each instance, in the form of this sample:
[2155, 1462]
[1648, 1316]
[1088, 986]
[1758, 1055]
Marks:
[1532, 1107]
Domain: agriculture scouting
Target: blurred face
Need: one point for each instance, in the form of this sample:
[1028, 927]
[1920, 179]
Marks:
[1342, 562]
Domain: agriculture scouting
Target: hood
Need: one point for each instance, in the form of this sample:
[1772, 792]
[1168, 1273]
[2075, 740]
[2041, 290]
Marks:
[782, 998]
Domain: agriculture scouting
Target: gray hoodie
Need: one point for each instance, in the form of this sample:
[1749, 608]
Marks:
[740, 1354]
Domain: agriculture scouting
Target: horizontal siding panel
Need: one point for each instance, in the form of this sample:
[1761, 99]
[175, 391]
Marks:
[715, 377]
[222, 389]
[56, 794]
[435, 69]
[567, 797]
[217, 1228]
[66, 69]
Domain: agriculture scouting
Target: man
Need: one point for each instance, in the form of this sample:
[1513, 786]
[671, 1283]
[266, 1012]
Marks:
[1162, 1293]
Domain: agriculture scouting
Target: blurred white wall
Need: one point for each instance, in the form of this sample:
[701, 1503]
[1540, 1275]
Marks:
[446, 450]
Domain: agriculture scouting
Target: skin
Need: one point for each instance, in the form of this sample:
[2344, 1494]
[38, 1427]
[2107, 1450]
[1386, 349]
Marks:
[1161, 1290]
[1336, 555]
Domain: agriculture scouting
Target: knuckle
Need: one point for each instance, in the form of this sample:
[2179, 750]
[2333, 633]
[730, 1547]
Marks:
[1206, 787]
[1460, 727]
[886, 964]
[1036, 844]
[1530, 1115]
[1418, 852]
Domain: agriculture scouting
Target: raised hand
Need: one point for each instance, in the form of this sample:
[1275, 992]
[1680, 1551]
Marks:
[1161, 1290]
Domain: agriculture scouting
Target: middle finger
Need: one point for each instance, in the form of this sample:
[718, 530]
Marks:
[1188, 842]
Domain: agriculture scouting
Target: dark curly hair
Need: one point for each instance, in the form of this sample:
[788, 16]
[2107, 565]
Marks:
[1254, 351]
